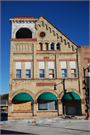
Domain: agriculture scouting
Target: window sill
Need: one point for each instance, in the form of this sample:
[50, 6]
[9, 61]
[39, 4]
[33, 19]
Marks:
[46, 111]
[22, 112]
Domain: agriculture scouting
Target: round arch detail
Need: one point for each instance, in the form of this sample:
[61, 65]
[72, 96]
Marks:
[20, 91]
[69, 90]
[46, 90]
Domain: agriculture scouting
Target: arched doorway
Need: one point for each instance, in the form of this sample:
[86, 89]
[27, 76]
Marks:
[47, 101]
[24, 33]
[22, 102]
[71, 104]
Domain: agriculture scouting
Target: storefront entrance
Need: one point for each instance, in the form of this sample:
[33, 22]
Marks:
[71, 104]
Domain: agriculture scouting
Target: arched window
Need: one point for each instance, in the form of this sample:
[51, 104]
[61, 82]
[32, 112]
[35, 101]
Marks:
[24, 33]
[52, 46]
[58, 46]
[40, 46]
[46, 46]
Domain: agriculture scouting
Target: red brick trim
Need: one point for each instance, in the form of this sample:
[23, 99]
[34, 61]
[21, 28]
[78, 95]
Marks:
[87, 58]
[45, 57]
[45, 84]
[9, 116]
[21, 60]
[46, 79]
[23, 39]
[67, 59]
[46, 60]
[59, 101]
[22, 53]
[34, 101]
[22, 112]
[34, 115]
[82, 101]
[59, 114]
[58, 52]
[83, 114]
[46, 111]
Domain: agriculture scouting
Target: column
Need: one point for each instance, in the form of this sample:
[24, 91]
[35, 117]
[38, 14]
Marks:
[9, 110]
[68, 70]
[59, 107]
[46, 70]
[82, 107]
[23, 70]
[34, 107]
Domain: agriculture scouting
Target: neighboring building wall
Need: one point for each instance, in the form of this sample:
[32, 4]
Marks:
[26, 50]
[85, 60]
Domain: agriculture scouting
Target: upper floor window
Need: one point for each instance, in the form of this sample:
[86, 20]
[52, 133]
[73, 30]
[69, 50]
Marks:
[18, 69]
[51, 69]
[40, 46]
[73, 69]
[63, 69]
[24, 33]
[46, 46]
[58, 46]
[27, 69]
[52, 46]
[41, 69]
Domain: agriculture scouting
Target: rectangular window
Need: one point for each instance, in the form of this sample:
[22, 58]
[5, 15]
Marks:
[47, 105]
[73, 69]
[18, 73]
[63, 69]
[18, 69]
[51, 69]
[27, 70]
[41, 69]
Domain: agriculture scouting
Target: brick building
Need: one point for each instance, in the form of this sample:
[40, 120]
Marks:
[42, 58]
[85, 62]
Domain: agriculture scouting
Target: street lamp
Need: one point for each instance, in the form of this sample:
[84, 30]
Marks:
[63, 82]
[87, 91]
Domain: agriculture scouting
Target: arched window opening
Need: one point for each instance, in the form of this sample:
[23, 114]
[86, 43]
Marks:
[58, 46]
[52, 46]
[24, 33]
[22, 102]
[40, 46]
[47, 101]
[46, 46]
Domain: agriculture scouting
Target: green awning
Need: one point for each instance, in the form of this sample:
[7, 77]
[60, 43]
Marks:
[47, 96]
[22, 97]
[70, 96]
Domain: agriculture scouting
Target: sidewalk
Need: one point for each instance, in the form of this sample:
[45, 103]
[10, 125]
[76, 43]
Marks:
[48, 120]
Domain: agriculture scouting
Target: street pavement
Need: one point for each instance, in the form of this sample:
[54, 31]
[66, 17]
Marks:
[57, 128]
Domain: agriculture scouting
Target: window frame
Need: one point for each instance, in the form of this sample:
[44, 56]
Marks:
[53, 47]
[41, 46]
[59, 46]
[51, 73]
[18, 74]
[41, 73]
[47, 46]
[63, 69]
[18, 69]
[73, 69]
[27, 74]
[42, 69]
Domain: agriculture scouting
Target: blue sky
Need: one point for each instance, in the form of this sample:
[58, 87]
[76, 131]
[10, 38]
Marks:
[71, 17]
